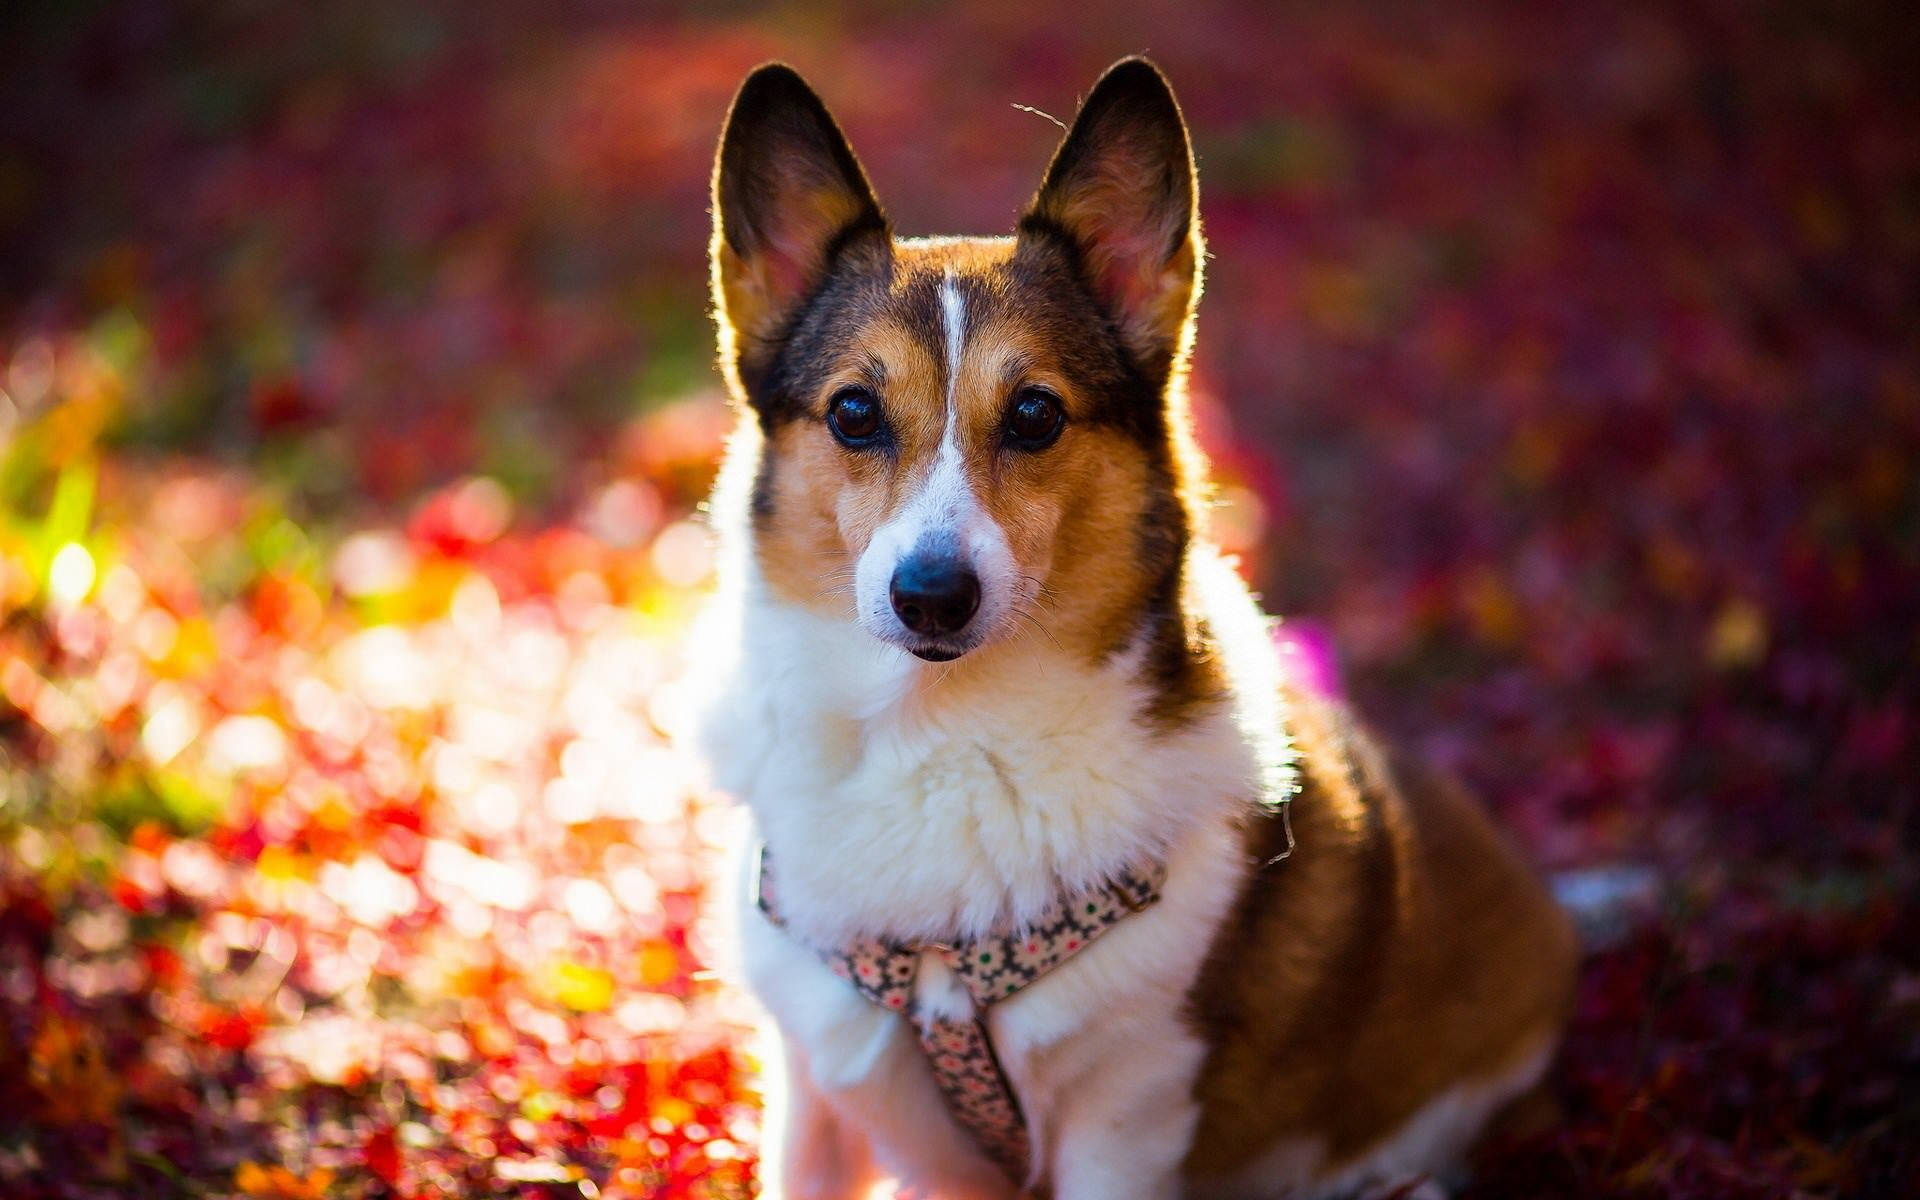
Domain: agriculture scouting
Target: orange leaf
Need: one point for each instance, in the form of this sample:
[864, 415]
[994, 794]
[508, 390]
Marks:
[278, 1183]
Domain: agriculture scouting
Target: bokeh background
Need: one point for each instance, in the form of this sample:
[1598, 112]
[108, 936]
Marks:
[1562, 365]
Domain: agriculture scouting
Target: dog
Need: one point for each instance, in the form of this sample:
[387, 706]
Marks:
[1057, 883]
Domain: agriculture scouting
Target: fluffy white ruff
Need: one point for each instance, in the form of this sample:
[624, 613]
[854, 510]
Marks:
[934, 801]
[938, 802]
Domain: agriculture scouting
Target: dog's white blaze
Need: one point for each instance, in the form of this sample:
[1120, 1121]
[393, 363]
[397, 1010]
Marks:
[945, 503]
[947, 486]
[953, 317]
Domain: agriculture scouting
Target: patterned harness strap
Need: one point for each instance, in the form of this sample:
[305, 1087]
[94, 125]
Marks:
[991, 968]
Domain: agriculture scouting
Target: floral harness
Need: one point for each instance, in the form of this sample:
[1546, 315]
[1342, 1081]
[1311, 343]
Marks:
[991, 968]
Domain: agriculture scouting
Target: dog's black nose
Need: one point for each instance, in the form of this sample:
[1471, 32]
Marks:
[934, 595]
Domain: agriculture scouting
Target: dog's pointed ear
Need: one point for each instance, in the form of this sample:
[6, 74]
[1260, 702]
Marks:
[788, 197]
[1121, 190]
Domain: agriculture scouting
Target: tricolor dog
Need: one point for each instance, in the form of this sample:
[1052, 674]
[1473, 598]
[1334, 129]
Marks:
[1057, 884]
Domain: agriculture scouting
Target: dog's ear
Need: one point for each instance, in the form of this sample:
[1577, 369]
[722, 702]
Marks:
[788, 198]
[1121, 190]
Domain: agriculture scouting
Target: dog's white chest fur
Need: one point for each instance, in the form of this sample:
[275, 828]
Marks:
[903, 802]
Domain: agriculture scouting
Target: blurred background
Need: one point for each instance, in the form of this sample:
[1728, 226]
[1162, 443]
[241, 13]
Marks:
[1562, 368]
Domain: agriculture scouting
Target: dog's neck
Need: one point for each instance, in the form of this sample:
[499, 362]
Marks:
[936, 801]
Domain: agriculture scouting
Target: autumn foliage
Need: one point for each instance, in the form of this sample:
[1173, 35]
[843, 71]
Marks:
[1561, 368]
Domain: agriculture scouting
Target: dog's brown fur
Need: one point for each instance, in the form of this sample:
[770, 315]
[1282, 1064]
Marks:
[1404, 951]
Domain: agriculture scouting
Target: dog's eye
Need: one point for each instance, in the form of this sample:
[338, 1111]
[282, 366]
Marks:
[1034, 419]
[854, 416]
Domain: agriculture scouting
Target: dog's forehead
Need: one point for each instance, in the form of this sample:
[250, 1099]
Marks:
[979, 258]
[942, 289]
[952, 313]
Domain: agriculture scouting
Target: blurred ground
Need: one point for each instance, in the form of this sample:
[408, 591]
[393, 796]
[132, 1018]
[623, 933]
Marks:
[1561, 364]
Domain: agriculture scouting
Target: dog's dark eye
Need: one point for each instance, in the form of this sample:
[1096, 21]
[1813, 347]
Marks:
[1034, 419]
[854, 416]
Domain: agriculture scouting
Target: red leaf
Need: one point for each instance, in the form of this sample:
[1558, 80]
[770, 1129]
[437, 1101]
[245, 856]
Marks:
[382, 1154]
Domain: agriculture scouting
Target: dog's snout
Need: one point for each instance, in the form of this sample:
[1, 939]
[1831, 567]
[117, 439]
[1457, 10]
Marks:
[934, 594]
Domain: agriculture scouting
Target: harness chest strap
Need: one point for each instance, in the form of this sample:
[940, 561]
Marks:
[991, 968]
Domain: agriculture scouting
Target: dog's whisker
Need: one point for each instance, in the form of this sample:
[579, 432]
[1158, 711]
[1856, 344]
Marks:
[1034, 621]
[1041, 592]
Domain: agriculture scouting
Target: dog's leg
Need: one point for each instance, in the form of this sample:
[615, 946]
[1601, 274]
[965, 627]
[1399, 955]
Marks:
[812, 1154]
[853, 1072]
[1128, 1159]
[1126, 1129]
[891, 1098]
